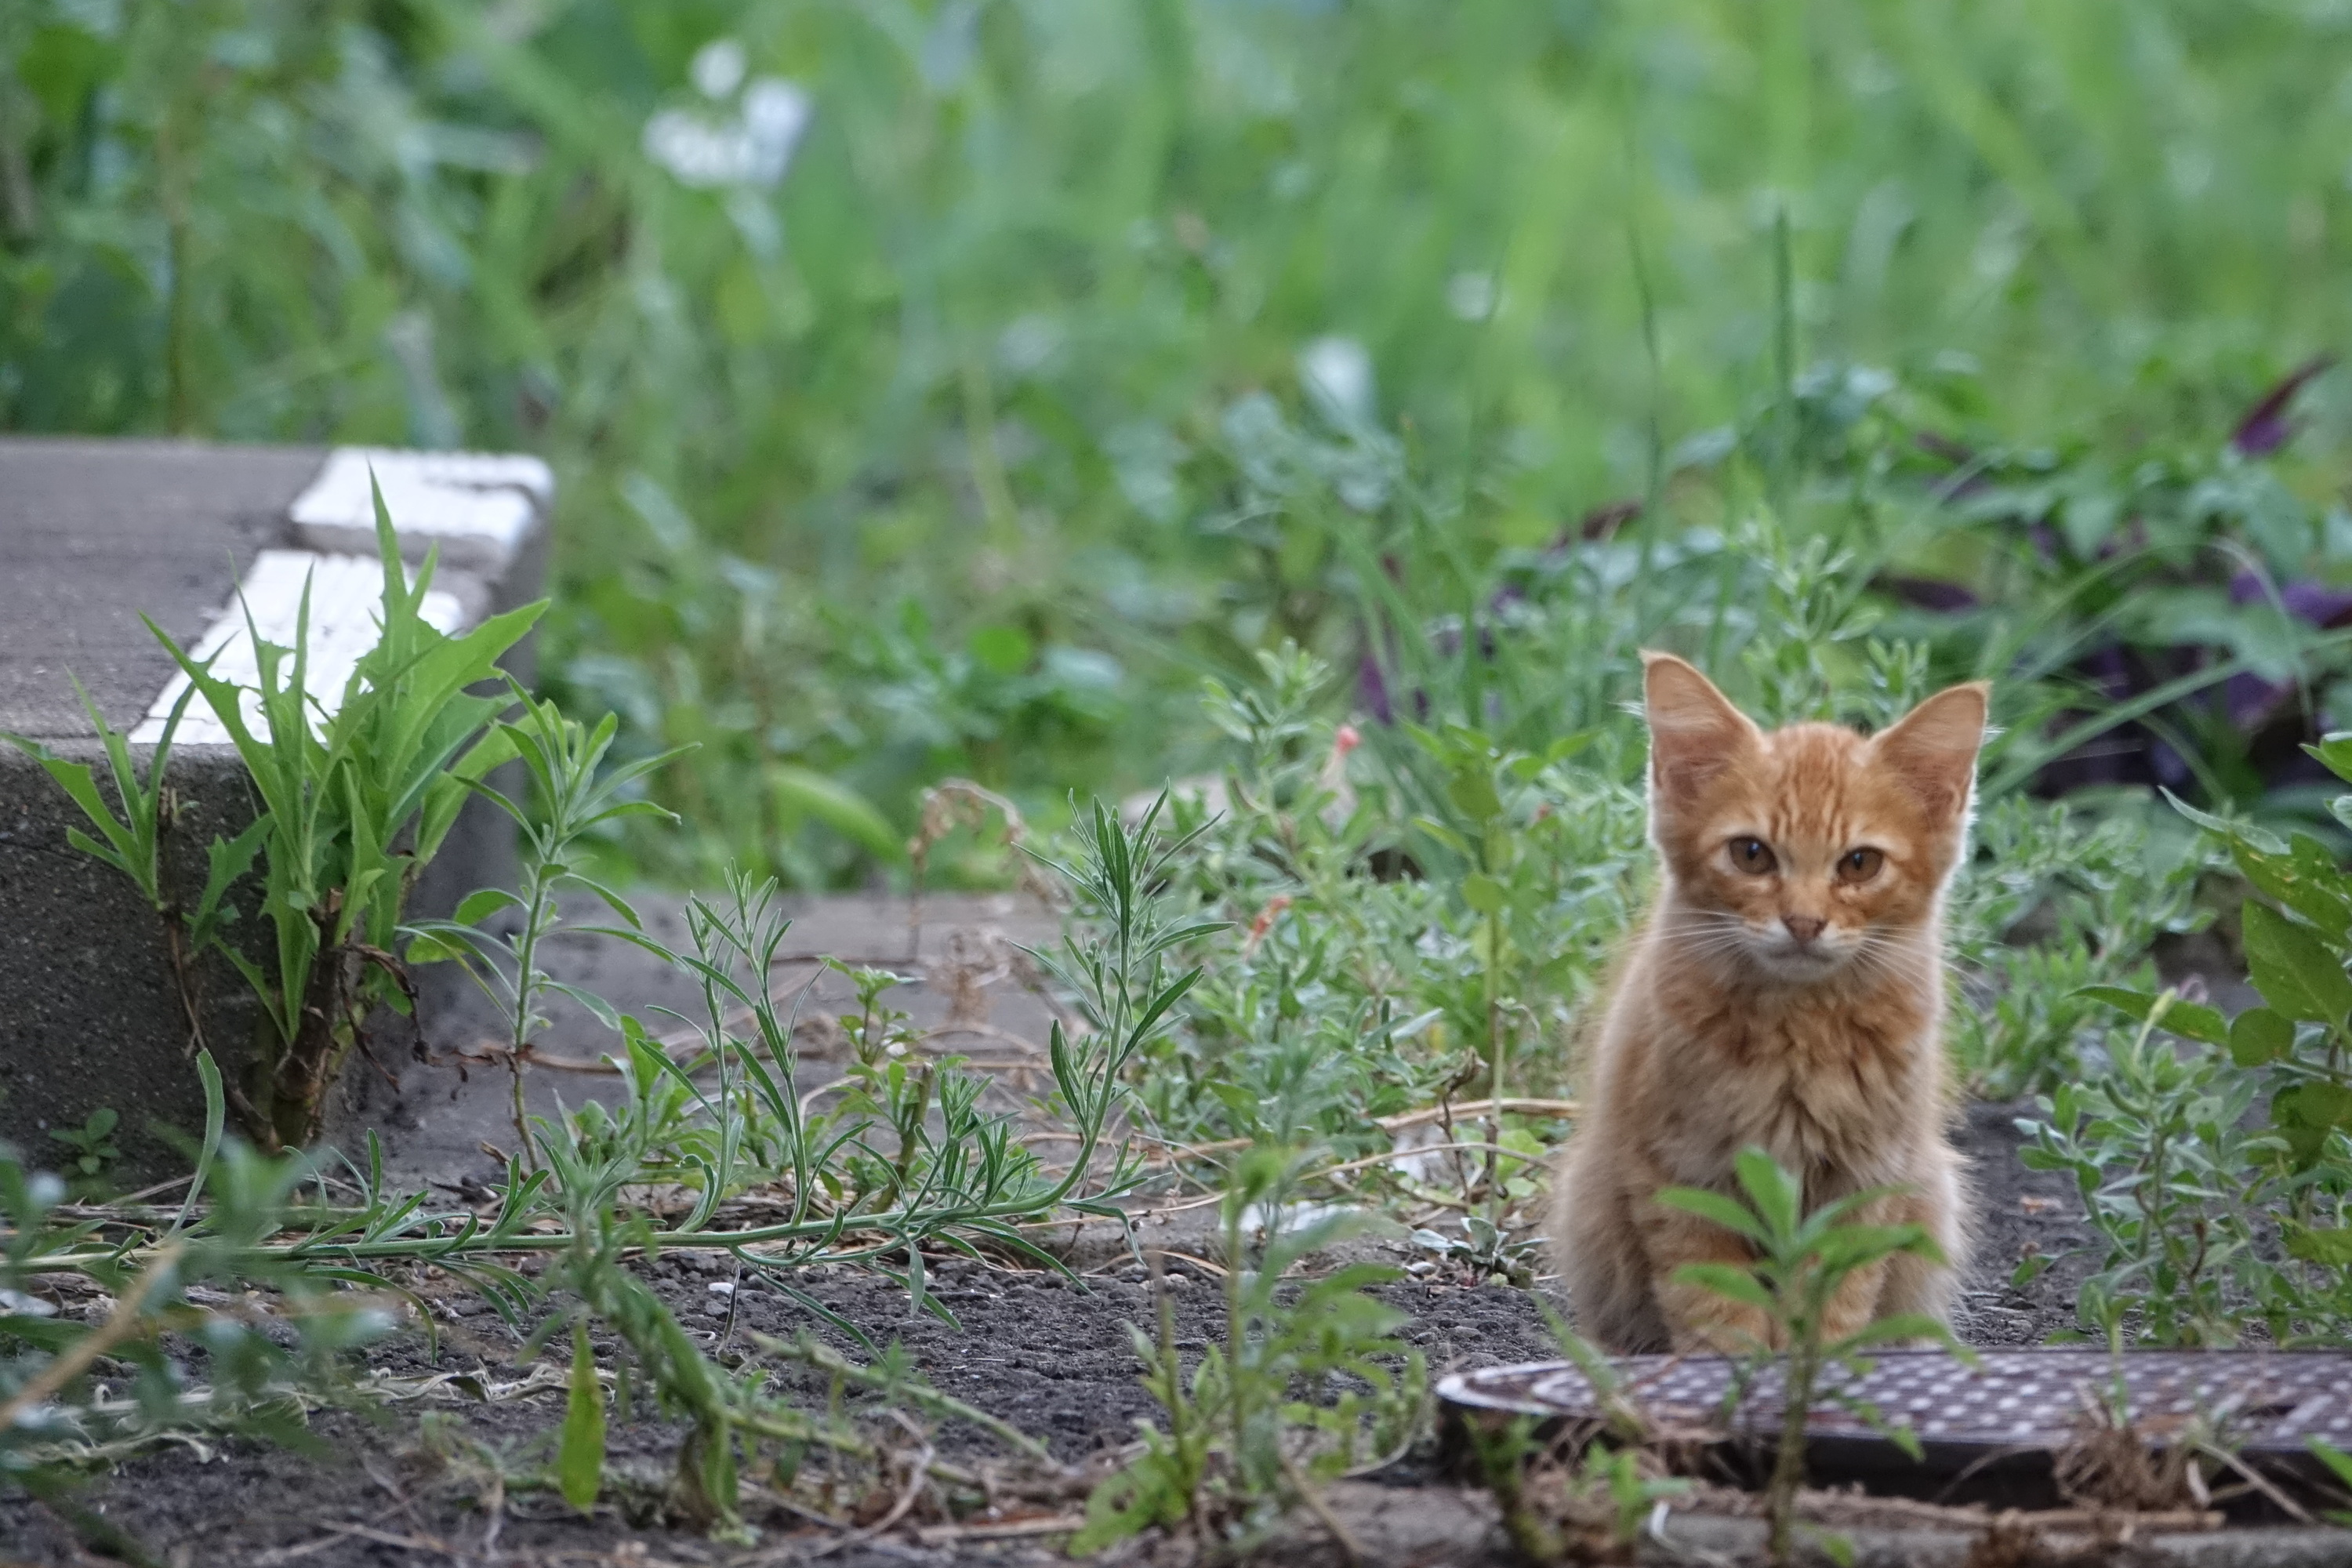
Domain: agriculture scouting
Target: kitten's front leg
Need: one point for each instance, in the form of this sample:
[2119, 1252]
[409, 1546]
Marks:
[1853, 1305]
[1698, 1318]
[1861, 1298]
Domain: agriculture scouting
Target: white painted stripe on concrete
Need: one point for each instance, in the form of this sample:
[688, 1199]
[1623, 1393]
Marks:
[346, 596]
[478, 507]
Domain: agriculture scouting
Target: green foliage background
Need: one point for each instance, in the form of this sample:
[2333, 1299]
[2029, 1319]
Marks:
[972, 442]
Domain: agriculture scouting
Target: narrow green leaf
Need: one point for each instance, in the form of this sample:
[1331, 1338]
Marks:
[2235, 832]
[612, 900]
[215, 1122]
[1726, 1280]
[1835, 1547]
[433, 947]
[481, 904]
[1777, 1194]
[800, 791]
[602, 1010]
[2190, 1020]
[443, 796]
[580, 1462]
[76, 839]
[2335, 751]
[1901, 1328]
[1733, 1217]
[1849, 1246]
[2334, 1457]
[121, 850]
[1445, 837]
[226, 860]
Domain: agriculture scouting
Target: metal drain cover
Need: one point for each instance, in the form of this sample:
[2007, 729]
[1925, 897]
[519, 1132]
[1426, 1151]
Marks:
[2263, 1402]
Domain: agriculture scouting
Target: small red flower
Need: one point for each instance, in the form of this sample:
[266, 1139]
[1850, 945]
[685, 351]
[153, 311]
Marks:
[1264, 922]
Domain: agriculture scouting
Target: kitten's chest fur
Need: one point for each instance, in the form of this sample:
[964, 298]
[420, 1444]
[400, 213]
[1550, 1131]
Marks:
[1831, 1081]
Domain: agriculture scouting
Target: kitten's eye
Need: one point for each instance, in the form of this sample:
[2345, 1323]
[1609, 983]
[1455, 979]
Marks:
[1859, 865]
[1753, 855]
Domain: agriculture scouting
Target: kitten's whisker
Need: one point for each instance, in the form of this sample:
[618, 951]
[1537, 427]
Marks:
[1708, 933]
[1709, 939]
[1703, 922]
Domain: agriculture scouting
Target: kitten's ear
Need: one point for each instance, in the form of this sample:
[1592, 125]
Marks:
[1694, 732]
[1933, 748]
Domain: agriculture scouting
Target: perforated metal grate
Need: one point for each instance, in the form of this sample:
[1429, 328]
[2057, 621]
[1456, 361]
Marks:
[2263, 1402]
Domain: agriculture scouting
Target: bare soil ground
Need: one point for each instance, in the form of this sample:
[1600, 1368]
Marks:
[408, 1484]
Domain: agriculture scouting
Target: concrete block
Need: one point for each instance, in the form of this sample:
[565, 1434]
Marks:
[480, 509]
[96, 534]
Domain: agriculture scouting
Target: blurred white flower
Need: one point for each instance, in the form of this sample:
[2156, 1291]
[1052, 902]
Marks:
[754, 148]
[1338, 374]
[698, 153]
[717, 67]
[775, 112]
[1472, 296]
[1028, 344]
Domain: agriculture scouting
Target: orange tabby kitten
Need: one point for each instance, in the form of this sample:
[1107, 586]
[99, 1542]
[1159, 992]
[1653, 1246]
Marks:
[1787, 991]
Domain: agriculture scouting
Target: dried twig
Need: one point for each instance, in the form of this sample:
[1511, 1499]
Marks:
[918, 1473]
[960, 803]
[121, 1324]
[1007, 1530]
[1396, 1123]
[1313, 1499]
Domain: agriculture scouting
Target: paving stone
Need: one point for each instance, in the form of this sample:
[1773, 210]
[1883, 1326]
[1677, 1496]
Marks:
[964, 990]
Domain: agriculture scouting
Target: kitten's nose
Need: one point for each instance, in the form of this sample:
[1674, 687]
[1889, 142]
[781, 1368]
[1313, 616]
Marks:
[1804, 928]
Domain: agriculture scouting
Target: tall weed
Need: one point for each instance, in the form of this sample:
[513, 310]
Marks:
[2213, 1218]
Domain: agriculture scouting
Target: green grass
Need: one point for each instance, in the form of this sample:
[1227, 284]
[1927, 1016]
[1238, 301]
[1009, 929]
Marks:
[947, 453]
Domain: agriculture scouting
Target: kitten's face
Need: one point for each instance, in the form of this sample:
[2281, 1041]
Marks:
[1804, 852]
